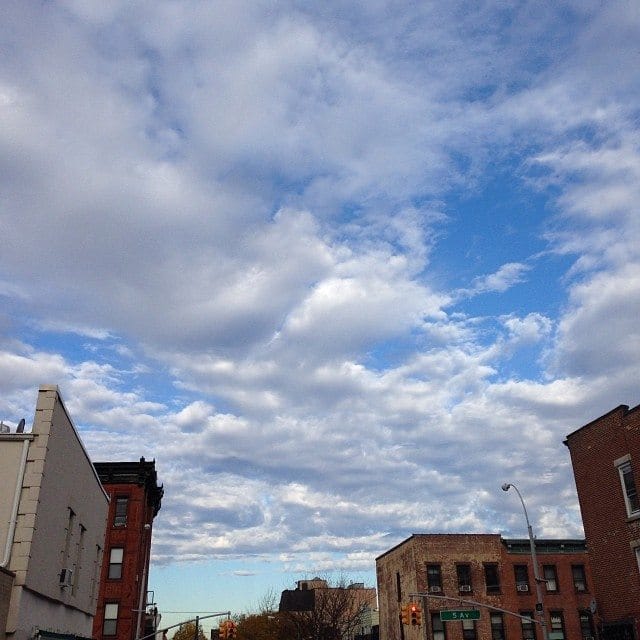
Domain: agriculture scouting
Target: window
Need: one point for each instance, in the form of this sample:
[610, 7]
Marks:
[522, 577]
[120, 518]
[629, 487]
[438, 627]
[637, 551]
[79, 557]
[464, 577]
[497, 627]
[115, 563]
[550, 577]
[557, 625]
[586, 625]
[492, 578]
[469, 630]
[434, 578]
[110, 625]
[579, 577]
[528, 626]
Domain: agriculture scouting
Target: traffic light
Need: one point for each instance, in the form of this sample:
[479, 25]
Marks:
[415, 614]
[224, 630]
[405, 615]
[231, 629]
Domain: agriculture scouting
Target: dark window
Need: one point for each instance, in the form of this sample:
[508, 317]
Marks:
[469, 630]
[579, 577]
[557, 625]
[434, 577]
[492, 578]
[438, 628]
[497, 627]
[398, 587]
[110, 625]
[115, 563]
[550, 577]
[629, 488]
[522, 577]
[120, 518]
[464, 577]
[586, 625]
[528, 626]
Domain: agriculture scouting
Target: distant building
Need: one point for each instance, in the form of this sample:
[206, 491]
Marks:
[605, 455]
[331, 613]
[53, 512]
[125, 612]
[490, 570]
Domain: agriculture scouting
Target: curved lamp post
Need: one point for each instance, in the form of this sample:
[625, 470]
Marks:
[536, 574]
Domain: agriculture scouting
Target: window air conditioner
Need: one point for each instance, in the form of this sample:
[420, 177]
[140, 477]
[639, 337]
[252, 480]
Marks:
[522, 587]
[465, 587]
[66, 577]
[435, 588]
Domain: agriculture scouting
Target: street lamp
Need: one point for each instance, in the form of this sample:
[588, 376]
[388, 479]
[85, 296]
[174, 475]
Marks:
[536, 574]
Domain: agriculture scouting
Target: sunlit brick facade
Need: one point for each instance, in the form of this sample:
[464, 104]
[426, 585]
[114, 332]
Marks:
[489, 570]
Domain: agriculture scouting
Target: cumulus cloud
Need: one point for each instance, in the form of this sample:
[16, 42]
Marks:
[238, 240]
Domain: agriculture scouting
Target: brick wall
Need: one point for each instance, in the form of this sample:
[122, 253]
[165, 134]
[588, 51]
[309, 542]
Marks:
[407, 563]
[610, 533]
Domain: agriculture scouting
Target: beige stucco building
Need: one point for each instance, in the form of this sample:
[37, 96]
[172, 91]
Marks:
[53, 513]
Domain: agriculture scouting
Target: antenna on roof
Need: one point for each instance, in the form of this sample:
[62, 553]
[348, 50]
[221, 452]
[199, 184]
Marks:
[20, 427]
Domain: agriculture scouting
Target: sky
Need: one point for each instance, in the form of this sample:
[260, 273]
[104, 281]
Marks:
[341, 269]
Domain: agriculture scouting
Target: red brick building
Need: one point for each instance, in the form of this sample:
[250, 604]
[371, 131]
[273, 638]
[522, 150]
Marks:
[456, 570]
[135, 501]
[605, 454]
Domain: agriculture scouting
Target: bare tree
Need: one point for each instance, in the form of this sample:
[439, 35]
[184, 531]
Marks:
[336, 614]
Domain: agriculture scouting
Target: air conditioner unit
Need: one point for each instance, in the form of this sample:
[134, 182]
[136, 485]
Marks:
[522, 587]
[465, 587]
[435, 589]
[66, 577]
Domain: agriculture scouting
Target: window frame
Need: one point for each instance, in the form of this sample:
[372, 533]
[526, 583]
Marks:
[492, 567]
[469, 630]
[575, 568]
[554, 570]
[434, 577]
[463, 575]
[119, 518]
[113, 564]
[438, 627]
[585, 619]
[528, 627]
[629, 486]
[498, 631]
[111, 630]
[557, 629]
[521, 575]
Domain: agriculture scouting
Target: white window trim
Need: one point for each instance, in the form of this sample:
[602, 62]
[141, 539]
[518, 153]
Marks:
[623, 462]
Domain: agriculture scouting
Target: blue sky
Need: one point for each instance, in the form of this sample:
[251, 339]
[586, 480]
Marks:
[341, 270]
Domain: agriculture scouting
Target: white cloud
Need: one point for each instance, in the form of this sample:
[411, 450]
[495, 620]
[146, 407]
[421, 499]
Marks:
[235, 238]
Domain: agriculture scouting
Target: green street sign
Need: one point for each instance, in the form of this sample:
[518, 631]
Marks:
[459, 614]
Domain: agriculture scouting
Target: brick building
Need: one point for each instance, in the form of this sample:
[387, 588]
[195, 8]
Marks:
[605, 455]
[457, 569]
[123, 612]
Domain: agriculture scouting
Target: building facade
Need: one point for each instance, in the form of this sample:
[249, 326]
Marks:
[605, 455]
[125, 612]
[53, 513]
[452, 571]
